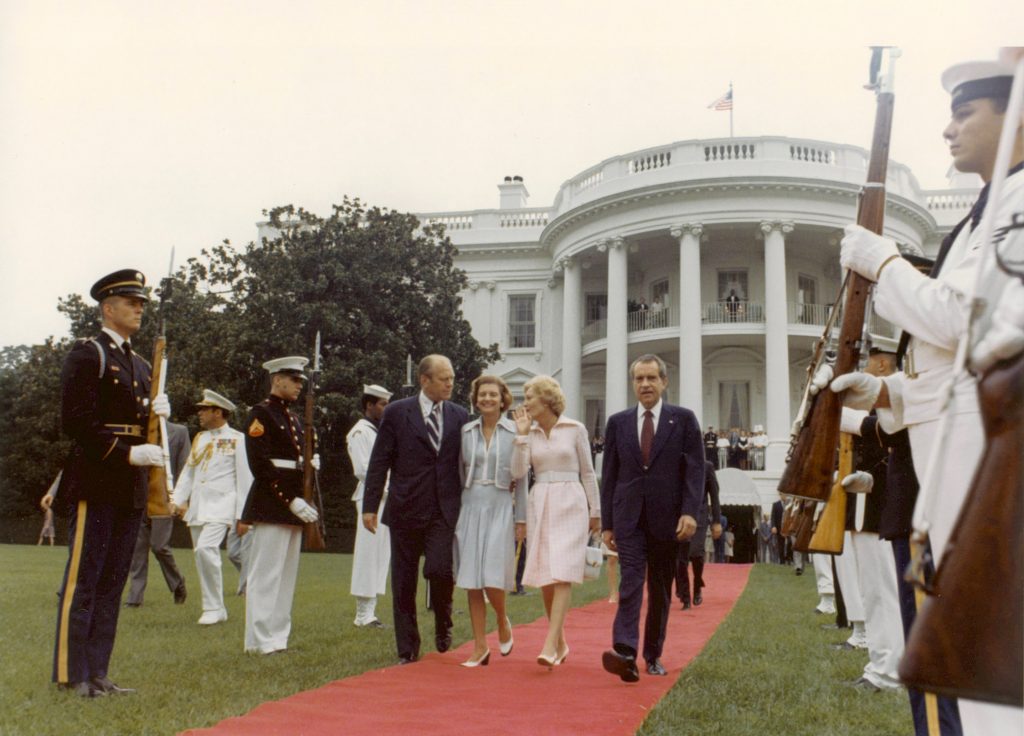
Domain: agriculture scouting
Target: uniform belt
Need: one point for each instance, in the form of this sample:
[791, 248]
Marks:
[556, 476]
[285, 464]
[125, 430]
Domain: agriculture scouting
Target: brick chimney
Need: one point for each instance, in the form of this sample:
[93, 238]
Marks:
[512, 193]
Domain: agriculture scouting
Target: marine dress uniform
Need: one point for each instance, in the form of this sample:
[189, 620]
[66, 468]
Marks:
[104, 409]
[273, 444]
[215, 485]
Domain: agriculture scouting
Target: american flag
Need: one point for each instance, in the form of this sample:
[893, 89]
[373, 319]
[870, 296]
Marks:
[722, 103]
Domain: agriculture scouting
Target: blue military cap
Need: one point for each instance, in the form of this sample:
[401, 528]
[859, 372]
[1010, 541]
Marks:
[126, 282]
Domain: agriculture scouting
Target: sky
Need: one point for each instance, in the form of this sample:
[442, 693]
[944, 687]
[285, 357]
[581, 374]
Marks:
[130, 128]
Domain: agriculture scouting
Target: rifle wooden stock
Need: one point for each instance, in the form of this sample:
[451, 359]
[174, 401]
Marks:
[808, 472]
[312, 532]
[157, 500]
[830, 531]
[964, 644]
[804, 525]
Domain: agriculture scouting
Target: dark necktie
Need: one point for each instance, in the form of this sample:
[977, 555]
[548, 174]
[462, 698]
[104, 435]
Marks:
[127, 348]
[647, 436]
[434, 426]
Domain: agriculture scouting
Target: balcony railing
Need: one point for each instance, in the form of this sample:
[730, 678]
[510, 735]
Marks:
[715, 313]
[808, 314]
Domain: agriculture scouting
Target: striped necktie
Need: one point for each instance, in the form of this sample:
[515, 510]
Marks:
[434, 426]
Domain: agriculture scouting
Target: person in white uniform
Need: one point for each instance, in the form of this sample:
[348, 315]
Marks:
[371, 556]
[935, 312]
[210, 495]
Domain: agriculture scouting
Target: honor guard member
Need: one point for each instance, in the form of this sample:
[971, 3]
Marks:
[210, 494]
[711, 446]
[275, 508]
[371, 557]
[104, 409]
[935, 312]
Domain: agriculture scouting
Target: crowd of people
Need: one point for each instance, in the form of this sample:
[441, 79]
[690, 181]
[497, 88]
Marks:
[457, 492]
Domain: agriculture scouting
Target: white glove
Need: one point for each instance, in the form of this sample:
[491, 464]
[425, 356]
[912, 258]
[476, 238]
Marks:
[864, 252]
[821, 379]
[315, 461]
[1005, 338]
[861, 389]
[851, 420]
[161, 406]
[146, 455]
[859, 482]
[303, 510]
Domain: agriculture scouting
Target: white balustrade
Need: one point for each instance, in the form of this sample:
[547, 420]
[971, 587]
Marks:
[724, 313]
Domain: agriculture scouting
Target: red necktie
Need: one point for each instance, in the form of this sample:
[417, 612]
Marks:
[647, 436]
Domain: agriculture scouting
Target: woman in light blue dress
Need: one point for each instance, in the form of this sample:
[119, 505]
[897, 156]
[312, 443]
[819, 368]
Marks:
[493, 514]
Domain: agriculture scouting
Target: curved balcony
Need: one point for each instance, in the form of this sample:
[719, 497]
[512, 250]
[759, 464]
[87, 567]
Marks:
[723, 318]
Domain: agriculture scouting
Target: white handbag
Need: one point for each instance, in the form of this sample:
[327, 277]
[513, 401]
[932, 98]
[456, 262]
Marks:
[594, 560]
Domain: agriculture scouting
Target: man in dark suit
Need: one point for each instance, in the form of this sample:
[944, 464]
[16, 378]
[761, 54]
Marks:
[105, 407]
[652, 487]
[418, 444]
[692, 550]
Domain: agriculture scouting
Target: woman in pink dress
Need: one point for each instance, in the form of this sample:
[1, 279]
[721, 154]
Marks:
[564, 506]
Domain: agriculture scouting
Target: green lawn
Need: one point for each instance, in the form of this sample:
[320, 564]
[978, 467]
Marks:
[767, 670]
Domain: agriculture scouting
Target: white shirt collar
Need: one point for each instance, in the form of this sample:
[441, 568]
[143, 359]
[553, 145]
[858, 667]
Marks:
[655, 414]
[426, 405]
[116, 338]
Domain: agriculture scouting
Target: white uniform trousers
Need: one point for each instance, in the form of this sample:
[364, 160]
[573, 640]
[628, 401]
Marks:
[273, 569]
[823, 573]
[371, 560]
[963, 448]
[238, 553]
[876, 571]
[206, 539]
[849, 580]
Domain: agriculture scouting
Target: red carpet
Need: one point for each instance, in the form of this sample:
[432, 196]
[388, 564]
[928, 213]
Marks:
[513, 695]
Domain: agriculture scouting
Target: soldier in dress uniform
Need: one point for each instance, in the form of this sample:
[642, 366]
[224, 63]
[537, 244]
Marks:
[711, 446]
[210, 494]
[105, 389]
[275, 508]
[371, 557]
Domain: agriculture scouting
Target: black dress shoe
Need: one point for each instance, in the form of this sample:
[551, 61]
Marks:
[82, 689]
[407, 660]
[621, 665]
[655, 667]
[443, 642]
[686, 605]
[129, 604]
[180, 594]
[104, 685]
[698, 599]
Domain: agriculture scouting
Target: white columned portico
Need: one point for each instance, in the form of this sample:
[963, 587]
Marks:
[616, 368]
[572, 347]
[691, 359]
[776, 340]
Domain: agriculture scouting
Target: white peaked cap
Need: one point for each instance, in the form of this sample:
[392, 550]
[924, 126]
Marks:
[212, 398]
[293, 365]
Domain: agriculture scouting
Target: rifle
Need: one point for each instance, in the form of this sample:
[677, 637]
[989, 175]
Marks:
[313, 532]
[811, 457]
[161, 479]
[830, 529]
[953, 635]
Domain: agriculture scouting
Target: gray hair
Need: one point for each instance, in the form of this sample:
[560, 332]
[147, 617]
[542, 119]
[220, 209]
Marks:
[650, 358]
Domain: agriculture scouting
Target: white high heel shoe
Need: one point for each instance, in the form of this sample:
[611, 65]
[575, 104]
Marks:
[506, 646]
[482, 662]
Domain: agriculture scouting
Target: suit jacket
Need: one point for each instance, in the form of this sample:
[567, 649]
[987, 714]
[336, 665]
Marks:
[104, 394]
[423, 482]
[900, 486]
[710, 495]
[871, 457]
[672, 484]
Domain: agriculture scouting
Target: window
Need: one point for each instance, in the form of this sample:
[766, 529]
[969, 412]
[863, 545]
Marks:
[732, 281]
[522, 323]
[597, 308]
[659, 292]
[806, 297]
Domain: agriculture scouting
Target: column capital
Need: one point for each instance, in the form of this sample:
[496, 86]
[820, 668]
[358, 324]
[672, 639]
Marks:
[617, 243]
[473, 285]
[694, 228]
[552, 283]
[490, 285]
[783, 226]
[602, 246]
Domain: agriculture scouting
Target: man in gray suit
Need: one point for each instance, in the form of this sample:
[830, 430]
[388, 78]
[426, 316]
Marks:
[155, 533]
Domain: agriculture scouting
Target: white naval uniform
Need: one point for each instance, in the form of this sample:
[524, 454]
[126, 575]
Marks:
[214, 484]
[934, 311]
[371, 557]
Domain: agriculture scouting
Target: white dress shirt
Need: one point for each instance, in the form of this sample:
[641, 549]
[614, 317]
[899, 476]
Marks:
[655, 413]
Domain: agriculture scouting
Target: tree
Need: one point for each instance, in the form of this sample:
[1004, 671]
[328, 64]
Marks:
[372, 281]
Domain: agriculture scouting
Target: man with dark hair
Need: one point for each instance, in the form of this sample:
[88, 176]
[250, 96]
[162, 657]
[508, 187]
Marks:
[371, 555]
[418, 444]
[650, 493]
[692, 550]
[105, 390]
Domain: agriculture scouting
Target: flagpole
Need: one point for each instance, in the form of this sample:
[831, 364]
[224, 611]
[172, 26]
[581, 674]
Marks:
[732, 104]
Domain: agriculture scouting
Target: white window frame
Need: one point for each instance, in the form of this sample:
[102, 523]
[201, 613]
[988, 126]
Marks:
[537, 296]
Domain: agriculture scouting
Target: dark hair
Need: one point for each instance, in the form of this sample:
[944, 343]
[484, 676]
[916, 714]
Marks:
[367, 400]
